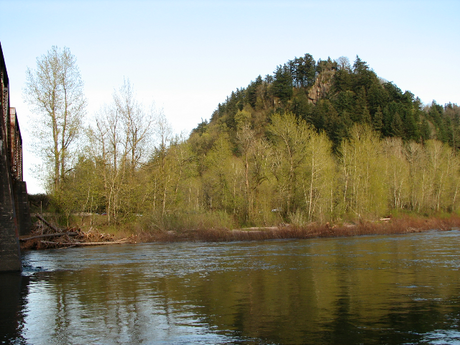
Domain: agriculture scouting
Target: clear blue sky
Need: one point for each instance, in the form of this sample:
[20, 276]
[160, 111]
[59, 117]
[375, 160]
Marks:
[188, 56]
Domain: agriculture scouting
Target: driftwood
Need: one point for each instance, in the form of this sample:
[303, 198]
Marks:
[73, 244]
[67, 238]
[125, 240]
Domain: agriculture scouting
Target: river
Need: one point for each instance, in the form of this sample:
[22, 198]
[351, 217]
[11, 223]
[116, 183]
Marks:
[401, 289]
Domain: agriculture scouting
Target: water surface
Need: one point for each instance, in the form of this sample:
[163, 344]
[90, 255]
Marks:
[401, 289]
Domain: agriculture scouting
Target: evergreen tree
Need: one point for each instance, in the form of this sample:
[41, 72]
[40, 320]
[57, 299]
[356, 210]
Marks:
[377, 122]
[345, 101]
[425, 131]
[394, 92]
[359, 66]
[411, 130]
[396, 129]
[321, 113]
[282, 85]
[361, 111]
[252, 91]
[303, 71]
[337, 127]
[301, 107]
[377, 97]
[342, 81]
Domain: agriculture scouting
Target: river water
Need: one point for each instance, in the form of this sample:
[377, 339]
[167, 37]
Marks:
[401, 289]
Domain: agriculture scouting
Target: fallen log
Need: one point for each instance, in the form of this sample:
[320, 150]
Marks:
[57, 243]
[39, 216]
[49, 235]
[99, 243]
[84, 243]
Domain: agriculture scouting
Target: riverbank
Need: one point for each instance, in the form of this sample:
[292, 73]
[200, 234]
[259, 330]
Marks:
[382, 227]
[54, 237]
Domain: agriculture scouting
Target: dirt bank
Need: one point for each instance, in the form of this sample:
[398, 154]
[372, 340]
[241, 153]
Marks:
[48, 236]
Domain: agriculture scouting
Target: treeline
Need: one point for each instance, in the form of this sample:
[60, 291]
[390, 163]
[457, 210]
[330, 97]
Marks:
[316, 142]
[291, 175]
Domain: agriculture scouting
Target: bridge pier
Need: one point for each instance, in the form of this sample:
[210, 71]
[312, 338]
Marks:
[21, 201]
[10, 255]
[14, 205]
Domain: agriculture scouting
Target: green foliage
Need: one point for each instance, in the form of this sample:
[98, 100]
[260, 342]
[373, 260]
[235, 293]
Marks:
[183, 220]
[54, 91]
[315, 142]
[303, 71]
[282, 85]
[361, 166]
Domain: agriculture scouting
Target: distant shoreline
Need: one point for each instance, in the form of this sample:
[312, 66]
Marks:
[387, 226]
[403, 225]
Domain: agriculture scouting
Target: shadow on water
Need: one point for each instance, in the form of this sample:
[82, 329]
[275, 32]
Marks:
[13, 288]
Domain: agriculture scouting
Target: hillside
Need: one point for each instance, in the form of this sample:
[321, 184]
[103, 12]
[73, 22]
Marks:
[332, 96]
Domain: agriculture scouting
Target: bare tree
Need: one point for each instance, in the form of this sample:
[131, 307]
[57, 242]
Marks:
[343, 63]
[162, 178]
[136, 124]
[54, 91]
[122, 134]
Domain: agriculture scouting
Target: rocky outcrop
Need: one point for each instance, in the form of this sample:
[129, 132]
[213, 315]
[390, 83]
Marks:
[321, 87]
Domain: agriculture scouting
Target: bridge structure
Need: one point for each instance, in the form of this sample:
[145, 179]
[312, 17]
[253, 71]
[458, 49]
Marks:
[14, 205]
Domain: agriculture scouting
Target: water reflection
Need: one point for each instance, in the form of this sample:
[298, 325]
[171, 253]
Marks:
[400, 289]
[12, 290]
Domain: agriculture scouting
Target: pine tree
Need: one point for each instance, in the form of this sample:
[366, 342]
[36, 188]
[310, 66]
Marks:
[396, 129]
[282, 85]
[377, 122]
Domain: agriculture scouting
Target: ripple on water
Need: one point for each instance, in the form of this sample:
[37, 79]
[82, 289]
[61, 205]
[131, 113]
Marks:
[281, 291]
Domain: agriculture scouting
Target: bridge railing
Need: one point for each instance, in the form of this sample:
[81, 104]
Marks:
[10, 134]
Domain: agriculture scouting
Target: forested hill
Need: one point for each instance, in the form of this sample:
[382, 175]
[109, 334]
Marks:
[317, 141]
[332, 96]
[285, 149]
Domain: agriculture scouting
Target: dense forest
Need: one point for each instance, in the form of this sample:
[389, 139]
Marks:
[317, 141]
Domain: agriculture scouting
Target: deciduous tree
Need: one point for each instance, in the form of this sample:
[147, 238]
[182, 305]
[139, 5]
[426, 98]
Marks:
[54, 91]
[122, 133]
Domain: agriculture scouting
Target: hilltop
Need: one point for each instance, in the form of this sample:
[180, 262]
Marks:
[332, 96]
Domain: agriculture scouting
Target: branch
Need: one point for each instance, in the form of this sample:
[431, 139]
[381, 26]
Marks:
[48, 224]
[49, 235]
